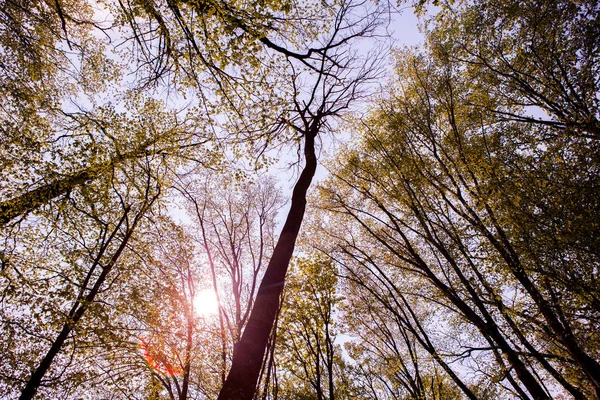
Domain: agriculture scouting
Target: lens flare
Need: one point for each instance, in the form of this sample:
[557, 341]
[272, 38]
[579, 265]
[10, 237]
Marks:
[157, 360]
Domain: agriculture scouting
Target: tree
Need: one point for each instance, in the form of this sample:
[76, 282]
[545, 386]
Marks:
[308, 361]
[426, 184]
[235, 223]
[337, 84]
[527, 56]
[109, 139]
[58, 284]
[176, 335]
[394, 336]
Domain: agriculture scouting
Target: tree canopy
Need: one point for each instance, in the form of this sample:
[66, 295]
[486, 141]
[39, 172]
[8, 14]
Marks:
[163, 233]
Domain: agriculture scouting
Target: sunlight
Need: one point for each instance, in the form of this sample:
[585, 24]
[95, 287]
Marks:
[205, 303]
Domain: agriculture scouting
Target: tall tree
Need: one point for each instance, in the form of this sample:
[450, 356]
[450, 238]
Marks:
[432, 167]
[235, 233]
[309, 362]
[64, 278]
[337, 83]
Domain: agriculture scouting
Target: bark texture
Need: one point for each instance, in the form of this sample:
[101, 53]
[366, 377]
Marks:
[250, 351]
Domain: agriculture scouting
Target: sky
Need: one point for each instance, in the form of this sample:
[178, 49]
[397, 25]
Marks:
[404, 31]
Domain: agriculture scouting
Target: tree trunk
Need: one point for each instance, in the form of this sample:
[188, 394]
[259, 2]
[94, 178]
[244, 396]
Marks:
[36, 198]
[33, 199]
[250, 351]
[81, 305]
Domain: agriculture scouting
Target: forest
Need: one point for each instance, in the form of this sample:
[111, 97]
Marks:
[281, 199]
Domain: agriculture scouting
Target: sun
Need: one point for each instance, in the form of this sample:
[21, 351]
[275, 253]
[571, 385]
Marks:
[205, 303]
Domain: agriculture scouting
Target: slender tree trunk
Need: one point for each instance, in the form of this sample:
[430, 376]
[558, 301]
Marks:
[503, 245]
[330, 358]
[81, 305]
[189, 338]
[430, 348]
[213, 276]
[77, 312]
[250, 351]
[561, 328]
[269, 367]
[487, 325]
